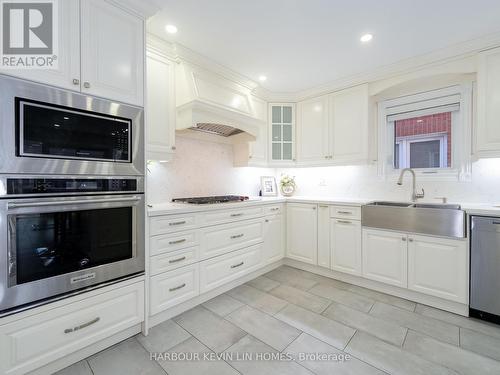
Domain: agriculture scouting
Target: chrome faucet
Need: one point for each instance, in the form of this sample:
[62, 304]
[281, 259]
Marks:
[414, 195]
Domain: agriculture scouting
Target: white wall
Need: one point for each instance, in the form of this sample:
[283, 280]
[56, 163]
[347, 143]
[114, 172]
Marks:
[201, 168]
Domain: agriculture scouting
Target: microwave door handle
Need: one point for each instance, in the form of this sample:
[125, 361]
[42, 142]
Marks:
[71, 202]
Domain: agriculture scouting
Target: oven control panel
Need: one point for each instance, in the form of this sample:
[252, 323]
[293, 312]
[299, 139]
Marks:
[24, 186]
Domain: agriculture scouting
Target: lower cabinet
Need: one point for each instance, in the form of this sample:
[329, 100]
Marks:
[345, 246]
[274, 239]
[302, 232]
[385, 257]
[324, 236]
[438, 267]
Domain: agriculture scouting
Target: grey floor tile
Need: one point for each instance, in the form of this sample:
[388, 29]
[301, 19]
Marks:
[453, 357]
[264, 327]
[163, 337]
[316, 325]
[436, 328]
[387, 331]
[79, 368]
[459, 320]
[480, 343]
[212, 330]
[342, 296]
[301, 298]
[257, 299]
[292, 277]
[263, 359]
[382, 297]
[263, 283]
[390, 358]
[306, 347]
[194, 362]
[125, 358]
[223, 304]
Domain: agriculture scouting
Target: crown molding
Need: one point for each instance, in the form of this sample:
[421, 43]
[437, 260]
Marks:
[160, 47]
[142, 8]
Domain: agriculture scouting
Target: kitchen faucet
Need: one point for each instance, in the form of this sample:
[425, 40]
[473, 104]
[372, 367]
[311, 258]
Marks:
[414, 195]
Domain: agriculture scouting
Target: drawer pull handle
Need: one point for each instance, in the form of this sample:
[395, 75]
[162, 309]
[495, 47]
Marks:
[177, 242]
[344, 222]
[177, 222]
[275, 209]
[345, 212]
[237, 265]
[323, 206]
[81, 326]
[237, 236]
[236, 215]
[177, 287]
[177, 260]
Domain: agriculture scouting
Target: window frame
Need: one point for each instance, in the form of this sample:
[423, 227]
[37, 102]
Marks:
[461, 148]
[405, 143]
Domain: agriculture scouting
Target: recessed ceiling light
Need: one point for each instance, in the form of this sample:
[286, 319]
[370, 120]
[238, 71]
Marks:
[262, 78]
[171, 29]
[366, 38]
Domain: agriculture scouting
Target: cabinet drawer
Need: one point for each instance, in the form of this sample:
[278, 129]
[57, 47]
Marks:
[221, 239]
[172, 223]
[273, 210]
[220, 270]
[32, 342]
[226, 216]
[174, 259]
[174, 241]
[171, 288]
[345, 212]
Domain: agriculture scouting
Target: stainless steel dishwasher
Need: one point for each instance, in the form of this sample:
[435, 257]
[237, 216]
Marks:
[485, 268]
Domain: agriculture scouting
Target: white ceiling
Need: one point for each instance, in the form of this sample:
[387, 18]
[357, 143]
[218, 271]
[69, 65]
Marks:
[301, 44]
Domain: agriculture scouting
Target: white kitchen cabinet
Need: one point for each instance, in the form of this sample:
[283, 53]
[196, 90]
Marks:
[348, 113]
[112, 51]
[324, 235]
[313, 130]
[160, 107]
[345, 243]
[282, 133]
[302, 232]
[438, 267]
[257, 154]
[67, 74]
[487, 131]
[274, 239]
[385, 257]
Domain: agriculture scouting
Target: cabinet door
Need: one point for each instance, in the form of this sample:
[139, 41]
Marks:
[67, 74]
[438, 267]
[302, 232]
[324, 236]
[385, 257]
[349, 124]
[274, 241]
[112, 43]
[312, 130]
[487, 135]
[282, 132]
[160, 108]
[258, 150]
[345, 242]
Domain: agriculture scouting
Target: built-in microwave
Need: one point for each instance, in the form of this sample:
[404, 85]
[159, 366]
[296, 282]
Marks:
[45, 130]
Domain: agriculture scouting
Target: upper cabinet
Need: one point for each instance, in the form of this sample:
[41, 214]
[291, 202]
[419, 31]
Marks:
[282, 133]
[333, 129]
[101, 52]
[487, 132]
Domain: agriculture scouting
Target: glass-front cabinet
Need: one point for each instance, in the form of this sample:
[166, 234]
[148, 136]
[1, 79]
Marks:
[282, 131]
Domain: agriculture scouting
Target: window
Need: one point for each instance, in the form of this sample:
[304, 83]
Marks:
[428, 132]
[282, 132]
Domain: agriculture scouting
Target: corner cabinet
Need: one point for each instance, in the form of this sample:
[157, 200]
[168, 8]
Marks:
[302, 232]
[282, 133]
[160, 107]
[487, 131]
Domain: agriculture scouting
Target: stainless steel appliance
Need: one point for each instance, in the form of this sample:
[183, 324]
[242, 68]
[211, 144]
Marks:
[212, 199]
[485, 268]
[45, 130]
[63, 235]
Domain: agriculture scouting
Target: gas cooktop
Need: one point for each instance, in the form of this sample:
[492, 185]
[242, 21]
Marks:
[211, 200]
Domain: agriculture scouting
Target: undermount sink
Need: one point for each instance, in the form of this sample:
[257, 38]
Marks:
[447, 220]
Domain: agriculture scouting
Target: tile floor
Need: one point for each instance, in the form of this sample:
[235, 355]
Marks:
[293, 312]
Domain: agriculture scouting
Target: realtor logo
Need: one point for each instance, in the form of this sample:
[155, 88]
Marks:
[29, 34]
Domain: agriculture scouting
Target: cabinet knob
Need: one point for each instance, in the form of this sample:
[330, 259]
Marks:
[404, 239]
[410, 239]
[174, 148]
[76, 81]
[86, 85]
[314, 208]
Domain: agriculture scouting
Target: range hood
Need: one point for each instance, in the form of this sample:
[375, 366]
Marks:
[221, 109]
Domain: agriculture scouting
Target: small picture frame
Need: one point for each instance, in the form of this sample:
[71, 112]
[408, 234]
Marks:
[268, 186]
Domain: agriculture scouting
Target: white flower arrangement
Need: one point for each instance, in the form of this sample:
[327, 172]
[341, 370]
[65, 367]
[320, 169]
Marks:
[286, 180]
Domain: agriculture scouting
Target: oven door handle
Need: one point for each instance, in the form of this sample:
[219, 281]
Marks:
[69, 202]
